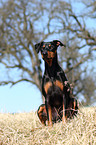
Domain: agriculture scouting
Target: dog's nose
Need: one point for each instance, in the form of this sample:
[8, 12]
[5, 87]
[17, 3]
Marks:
[45, 53]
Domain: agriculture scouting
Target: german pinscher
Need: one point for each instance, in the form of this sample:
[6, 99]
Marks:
[70, 112]
[55, 86]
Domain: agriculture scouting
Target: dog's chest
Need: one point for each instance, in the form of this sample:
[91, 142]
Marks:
[53, 84]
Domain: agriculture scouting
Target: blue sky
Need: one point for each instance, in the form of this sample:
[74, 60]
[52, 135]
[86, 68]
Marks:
[22, 97]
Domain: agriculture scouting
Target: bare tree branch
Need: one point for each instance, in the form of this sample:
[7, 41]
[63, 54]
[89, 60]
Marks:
[25, 23]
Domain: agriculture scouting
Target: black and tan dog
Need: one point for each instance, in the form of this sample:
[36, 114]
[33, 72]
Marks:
[55, 86]
[70, 112]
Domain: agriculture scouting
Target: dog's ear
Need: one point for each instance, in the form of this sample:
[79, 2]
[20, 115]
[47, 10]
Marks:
[38, 46]
[57, 43]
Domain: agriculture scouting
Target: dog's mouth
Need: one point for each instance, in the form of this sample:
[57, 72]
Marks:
[48, 60]
[49, 57]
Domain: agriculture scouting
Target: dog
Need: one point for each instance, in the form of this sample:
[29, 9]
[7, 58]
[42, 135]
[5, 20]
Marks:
[70, 112]
[55, 86]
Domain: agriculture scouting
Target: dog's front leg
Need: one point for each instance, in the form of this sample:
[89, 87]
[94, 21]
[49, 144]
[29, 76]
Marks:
[49, 113]
[63, 117]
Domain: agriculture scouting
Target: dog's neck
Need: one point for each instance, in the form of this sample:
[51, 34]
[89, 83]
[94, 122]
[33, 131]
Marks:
[51, 71]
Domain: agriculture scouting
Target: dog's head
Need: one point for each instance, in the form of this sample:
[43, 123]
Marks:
[48, 50]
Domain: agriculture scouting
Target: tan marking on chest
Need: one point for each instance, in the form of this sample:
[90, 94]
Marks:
[58, 84]
[47, 86]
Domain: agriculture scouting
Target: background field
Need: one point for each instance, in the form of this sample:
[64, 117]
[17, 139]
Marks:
[25, 128]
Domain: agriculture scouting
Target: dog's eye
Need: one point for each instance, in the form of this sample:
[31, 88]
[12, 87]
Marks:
[43, 46]
[50, 46]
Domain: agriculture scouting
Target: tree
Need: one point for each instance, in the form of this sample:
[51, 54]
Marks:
[27, 22]
[19, 33]
[88, 91]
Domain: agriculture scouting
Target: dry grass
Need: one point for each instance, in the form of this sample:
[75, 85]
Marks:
[17, 130]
